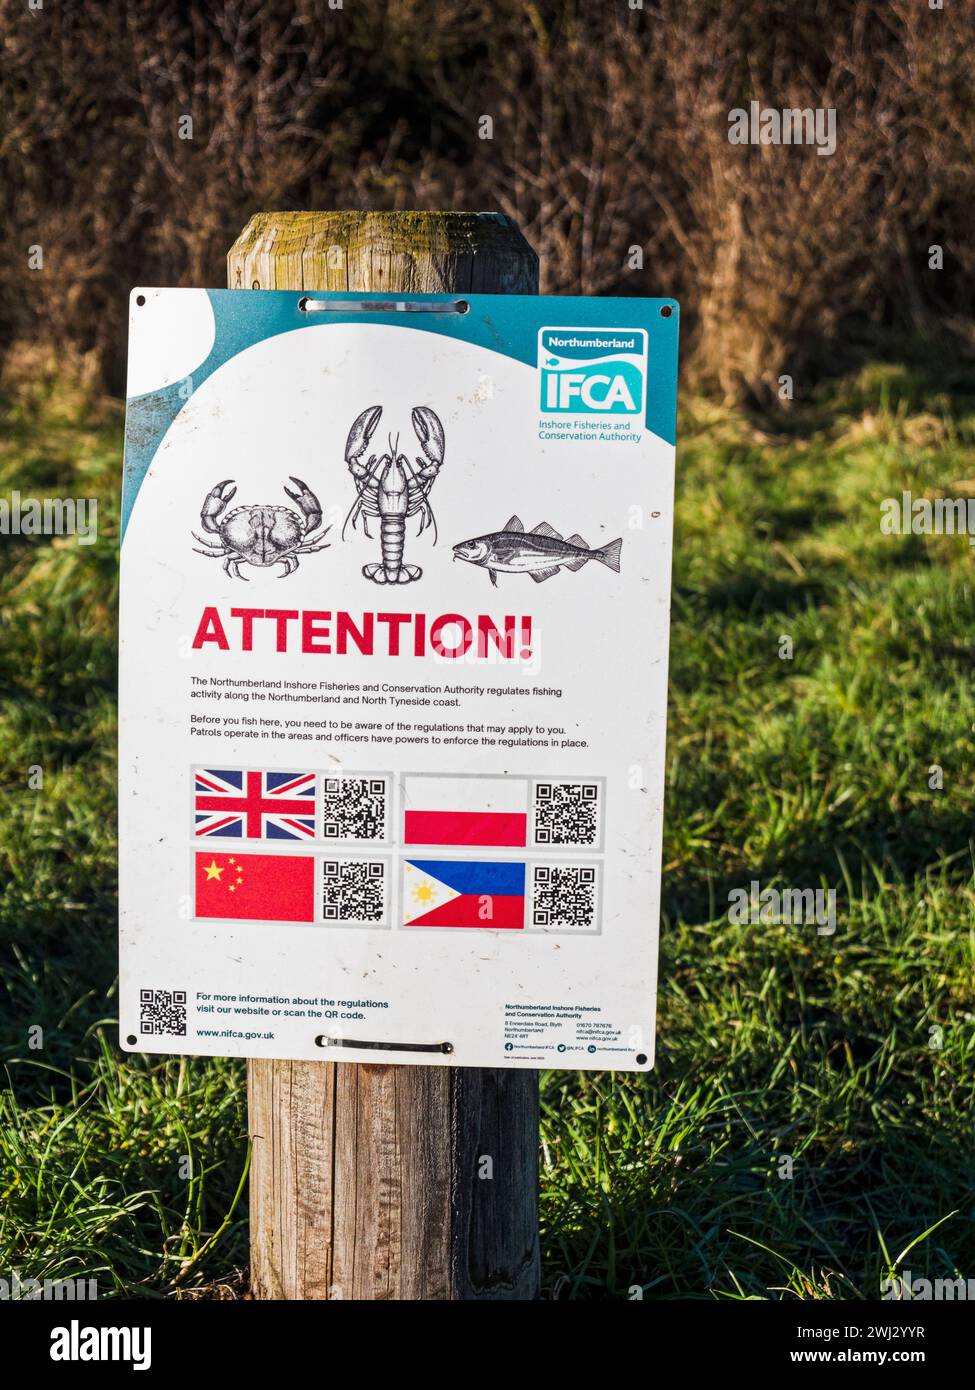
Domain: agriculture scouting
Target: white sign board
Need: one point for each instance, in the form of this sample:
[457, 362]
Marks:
[394, 633]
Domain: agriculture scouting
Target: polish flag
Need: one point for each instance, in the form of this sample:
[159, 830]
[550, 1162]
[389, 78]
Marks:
[483, 811]
[255, 887]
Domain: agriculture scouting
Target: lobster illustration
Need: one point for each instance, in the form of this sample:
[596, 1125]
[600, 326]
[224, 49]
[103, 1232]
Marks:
[393, 489]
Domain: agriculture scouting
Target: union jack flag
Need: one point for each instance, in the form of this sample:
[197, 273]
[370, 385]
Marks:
[255, 805]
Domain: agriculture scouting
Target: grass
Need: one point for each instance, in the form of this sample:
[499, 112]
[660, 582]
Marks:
[809, 1128]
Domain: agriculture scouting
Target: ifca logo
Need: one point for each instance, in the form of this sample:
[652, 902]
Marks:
[589, 371]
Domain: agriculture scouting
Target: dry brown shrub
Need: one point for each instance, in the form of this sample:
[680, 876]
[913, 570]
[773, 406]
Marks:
[610, 132]
[931, 192]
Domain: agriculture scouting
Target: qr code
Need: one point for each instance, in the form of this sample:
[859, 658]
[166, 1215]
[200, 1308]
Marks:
[564, 897]
[566, 813]
[163, 1011]
[354, 808]
[354, 890]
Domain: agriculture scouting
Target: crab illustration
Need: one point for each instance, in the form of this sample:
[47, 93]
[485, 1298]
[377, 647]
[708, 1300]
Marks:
[261, 536]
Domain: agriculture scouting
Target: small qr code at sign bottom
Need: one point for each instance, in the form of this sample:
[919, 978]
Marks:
[564, 897]
[163, 1011]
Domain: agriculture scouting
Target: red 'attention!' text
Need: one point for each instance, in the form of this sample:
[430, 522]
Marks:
[322, 632]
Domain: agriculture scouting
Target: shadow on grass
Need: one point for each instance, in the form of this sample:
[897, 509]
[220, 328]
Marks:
[755, 592]
[902, 375]
[692, 1223]
[902, 847]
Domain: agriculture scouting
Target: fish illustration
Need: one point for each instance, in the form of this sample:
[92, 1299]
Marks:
[540, 552]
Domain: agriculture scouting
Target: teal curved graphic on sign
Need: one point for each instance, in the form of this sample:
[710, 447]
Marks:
[640, 376]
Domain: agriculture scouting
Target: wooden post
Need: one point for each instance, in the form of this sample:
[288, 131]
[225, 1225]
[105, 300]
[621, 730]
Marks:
[366, 1180]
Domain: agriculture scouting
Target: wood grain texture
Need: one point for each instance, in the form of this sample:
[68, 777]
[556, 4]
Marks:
[369, 1181]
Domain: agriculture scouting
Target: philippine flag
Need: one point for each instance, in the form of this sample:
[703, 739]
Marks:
[488, 811]
[459, 893]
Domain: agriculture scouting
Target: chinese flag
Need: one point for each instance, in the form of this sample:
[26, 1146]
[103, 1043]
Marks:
[256, 887]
